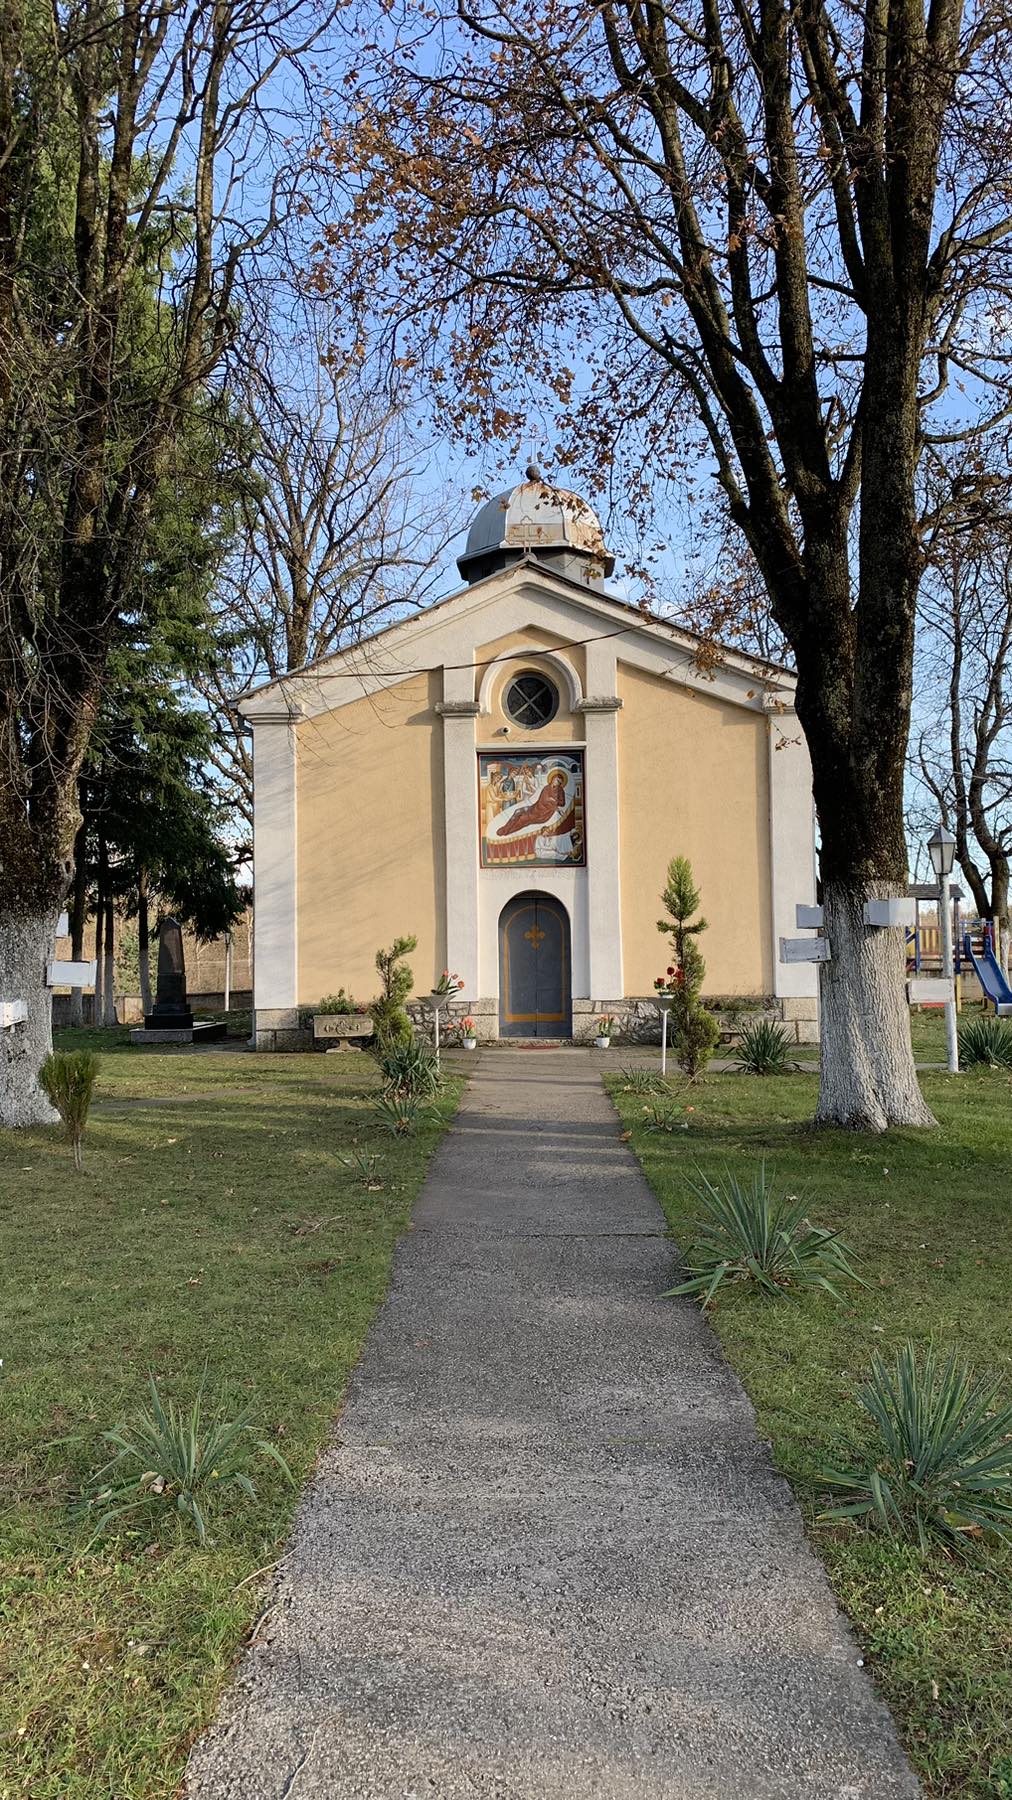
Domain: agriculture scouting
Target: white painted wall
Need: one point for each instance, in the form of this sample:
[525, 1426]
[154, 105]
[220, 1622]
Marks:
[275, 843]
[792, 848]
[604, 825]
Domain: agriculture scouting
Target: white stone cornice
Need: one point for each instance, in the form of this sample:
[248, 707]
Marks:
[600, 703]
[288, 715]
[458, 709]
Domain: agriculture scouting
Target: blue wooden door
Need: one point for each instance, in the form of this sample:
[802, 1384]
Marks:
[534, 969]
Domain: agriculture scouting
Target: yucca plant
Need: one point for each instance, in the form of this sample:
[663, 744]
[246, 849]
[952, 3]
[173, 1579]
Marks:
[642, 1081]
[764, 1049]
[943, 1468]
[410, 1068]
[67, 1078]
[366, 1166]
[746, 1232]
[167, 1455]
[664, 1115]
[987, 1042]
[398, 1112]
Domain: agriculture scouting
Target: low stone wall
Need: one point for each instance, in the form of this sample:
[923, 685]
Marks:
[635, 1020]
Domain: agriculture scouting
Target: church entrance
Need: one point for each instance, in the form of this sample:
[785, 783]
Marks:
[535, 983]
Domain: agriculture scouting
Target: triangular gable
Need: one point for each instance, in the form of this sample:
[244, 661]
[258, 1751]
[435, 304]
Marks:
[527, 594]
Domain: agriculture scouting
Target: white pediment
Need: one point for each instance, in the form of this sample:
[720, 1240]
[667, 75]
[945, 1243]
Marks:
[524, 596]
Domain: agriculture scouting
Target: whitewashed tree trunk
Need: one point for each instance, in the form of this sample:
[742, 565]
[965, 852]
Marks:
[109, 977]
[868, 1080]
[26, 944]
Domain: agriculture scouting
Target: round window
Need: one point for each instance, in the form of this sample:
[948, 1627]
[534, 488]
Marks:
[531, 700]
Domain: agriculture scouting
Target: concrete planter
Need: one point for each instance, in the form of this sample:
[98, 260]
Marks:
[341, 1028]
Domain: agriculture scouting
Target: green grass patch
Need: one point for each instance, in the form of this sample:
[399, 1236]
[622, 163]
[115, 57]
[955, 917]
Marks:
[927, 1215]
[217, 1219]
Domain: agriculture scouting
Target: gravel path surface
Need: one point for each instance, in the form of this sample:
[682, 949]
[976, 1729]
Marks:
[546, 1554]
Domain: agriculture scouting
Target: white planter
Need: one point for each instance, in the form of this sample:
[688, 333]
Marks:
[470, 1043]
[602, 1043]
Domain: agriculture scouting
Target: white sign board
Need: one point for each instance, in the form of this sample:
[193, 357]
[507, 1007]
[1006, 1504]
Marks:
[798, 950]
[929, 990]
[70, 974]
[12, 1012]
[63, 925]
[808, 918]
[885, 913]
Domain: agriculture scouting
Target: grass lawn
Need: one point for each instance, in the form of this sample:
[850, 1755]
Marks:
[215, 1218]
[928, 1215]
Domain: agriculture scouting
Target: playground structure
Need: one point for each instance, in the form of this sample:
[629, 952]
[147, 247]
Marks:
[973, 954]
[989, 971]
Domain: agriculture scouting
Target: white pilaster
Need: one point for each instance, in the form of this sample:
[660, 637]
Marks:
[792, 848]
[459, 709]
[600, 711]
[275, 841]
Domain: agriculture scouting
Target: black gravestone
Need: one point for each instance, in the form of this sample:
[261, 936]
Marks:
[171, 1011]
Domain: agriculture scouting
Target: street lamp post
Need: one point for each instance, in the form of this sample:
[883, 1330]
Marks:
[942, 850]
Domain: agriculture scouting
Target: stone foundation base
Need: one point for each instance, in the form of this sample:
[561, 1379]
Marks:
[635, 1020]
[282, 1028]
[202, 1031]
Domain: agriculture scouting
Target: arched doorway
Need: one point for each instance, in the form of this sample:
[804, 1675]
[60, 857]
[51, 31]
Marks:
[535, 979]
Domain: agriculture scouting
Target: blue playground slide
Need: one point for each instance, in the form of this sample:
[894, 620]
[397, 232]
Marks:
[988, 972]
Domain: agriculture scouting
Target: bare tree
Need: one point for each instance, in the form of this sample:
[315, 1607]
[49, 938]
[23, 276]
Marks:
[758, 233]
[342, 519]
[142, 167]
[962, 751]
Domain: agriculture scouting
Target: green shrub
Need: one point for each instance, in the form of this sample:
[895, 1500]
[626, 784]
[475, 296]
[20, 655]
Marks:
[942, 1467]
[410, 1068]
[748, 1233]
[170, 1457]
[764, 1049]
[986, 1042]
[67, 1078]
[389, 1020]
[338, 1003]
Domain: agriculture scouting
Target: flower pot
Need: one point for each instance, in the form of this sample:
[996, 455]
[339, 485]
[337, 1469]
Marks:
[470, 1043]
[602, 1043]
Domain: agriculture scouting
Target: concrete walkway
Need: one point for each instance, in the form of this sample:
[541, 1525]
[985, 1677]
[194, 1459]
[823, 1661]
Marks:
[547, 1555]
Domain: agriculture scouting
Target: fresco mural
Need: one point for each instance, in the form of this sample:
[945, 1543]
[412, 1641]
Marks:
[531, 808]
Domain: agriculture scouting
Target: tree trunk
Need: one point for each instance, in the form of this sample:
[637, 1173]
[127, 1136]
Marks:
[78, 918]
[26, 942]
[868, 1080]
[144, 941]
[109, 976]
[96, 1005]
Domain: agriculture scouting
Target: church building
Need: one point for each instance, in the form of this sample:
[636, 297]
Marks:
[506, 776]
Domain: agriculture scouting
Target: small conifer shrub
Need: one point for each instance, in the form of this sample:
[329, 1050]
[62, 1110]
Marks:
[692, 1031]
[67, 1078]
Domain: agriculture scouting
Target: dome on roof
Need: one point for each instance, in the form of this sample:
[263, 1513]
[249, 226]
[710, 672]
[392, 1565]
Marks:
[536, 519]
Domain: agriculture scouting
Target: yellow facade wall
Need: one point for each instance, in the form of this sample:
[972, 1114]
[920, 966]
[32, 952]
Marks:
[694, 781]
[371, 851]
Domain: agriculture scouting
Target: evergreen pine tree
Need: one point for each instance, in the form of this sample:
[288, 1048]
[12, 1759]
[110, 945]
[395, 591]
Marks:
[692, 1031]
